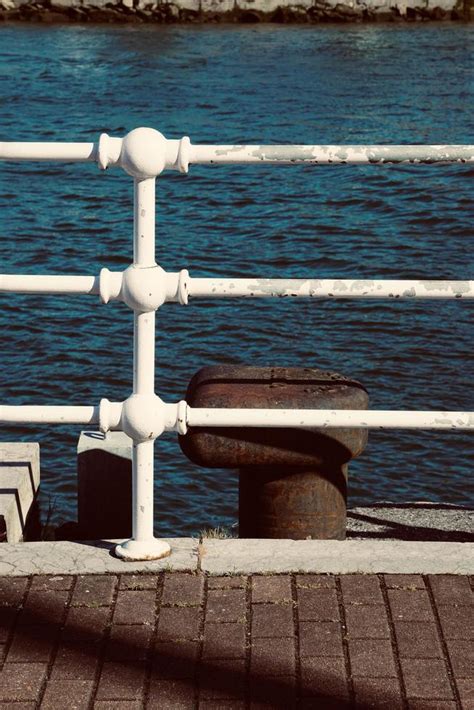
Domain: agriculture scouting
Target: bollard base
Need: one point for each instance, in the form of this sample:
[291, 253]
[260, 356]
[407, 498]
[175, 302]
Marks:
[287, 502]
[136, 550]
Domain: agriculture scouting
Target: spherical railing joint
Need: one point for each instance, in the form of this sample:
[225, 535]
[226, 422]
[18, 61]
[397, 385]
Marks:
[143, 417]
[143, 289]
[143, 153]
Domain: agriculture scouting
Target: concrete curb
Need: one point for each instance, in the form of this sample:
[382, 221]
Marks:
[227, 557]
[336, 557]
[94, 557]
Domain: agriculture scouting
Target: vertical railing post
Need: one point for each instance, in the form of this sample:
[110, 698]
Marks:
[143, 544]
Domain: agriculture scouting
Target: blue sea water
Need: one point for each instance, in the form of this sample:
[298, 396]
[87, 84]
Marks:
[230, 84]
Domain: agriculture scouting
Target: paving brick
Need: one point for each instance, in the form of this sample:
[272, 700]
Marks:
[226, 605]
[43, 608]
[8, 616]
[56, 583]
[451, 589]
[371, 658]
[465, 688]
[404, 581]
[77, 660]
[457, 622]
[410, 605]
[426, 678]
[271, 588]
[175, 659]
[320, 638]
[227, 582]
[317, 605]
[12, 590]
[32, 644]
[175, 623]
[324, 677]
[417, 640]
[432, 705]
[316, 581]
[139, 581]
[94, 590]
[222, 679]
[77, 692]
[182, 589]
[118, 705]
[322, 702]
[378, 693]
[277, 658]
[128, 642]
[21, 681]
[361, 589]
[270, 693]
[461, 655]
[224, 640]
[19, 706]
[367, 621]
[272, 620]
[135, 607]
[121, 681]
[175, 694]
[222, 705]
[86, 624]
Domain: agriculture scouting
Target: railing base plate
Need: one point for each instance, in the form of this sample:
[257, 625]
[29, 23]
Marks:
[135, 550]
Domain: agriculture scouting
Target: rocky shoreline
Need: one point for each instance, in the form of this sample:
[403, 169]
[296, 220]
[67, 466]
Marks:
[235, 11]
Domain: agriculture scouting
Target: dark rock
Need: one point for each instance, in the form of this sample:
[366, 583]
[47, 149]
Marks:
[52, 16]
[287, 15]
[437, 13]
[188, 15]
[346, 10]
[316, 14]
[249, 17]
[101, 15]
[383, 16]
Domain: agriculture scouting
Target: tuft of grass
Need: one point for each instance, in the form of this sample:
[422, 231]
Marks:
[47, 532]
[218, 533]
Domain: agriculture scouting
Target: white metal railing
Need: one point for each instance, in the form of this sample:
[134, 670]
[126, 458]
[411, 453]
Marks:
[144, 286]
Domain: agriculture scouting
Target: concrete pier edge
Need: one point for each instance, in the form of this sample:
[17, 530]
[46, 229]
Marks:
[234, 556]
[234, 11]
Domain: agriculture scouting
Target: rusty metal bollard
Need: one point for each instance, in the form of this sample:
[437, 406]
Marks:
[293, 482]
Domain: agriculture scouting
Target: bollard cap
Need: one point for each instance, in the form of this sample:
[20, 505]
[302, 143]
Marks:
[279, 388]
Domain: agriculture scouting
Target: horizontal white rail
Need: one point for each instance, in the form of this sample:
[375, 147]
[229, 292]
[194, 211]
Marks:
[160, 416]
[328, 418]
[146, 153]
[177, 287]
[327, 288]
[39, 414]
[330, 154]
[31, 283]
[71, 152]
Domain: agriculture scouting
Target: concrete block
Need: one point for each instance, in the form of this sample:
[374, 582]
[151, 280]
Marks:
[104, 479]
[19, 483]
[193, 5]
[217, 6]
[99, 4]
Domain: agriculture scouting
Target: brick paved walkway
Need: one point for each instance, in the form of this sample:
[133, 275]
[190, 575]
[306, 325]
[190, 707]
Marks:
[176, 640]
